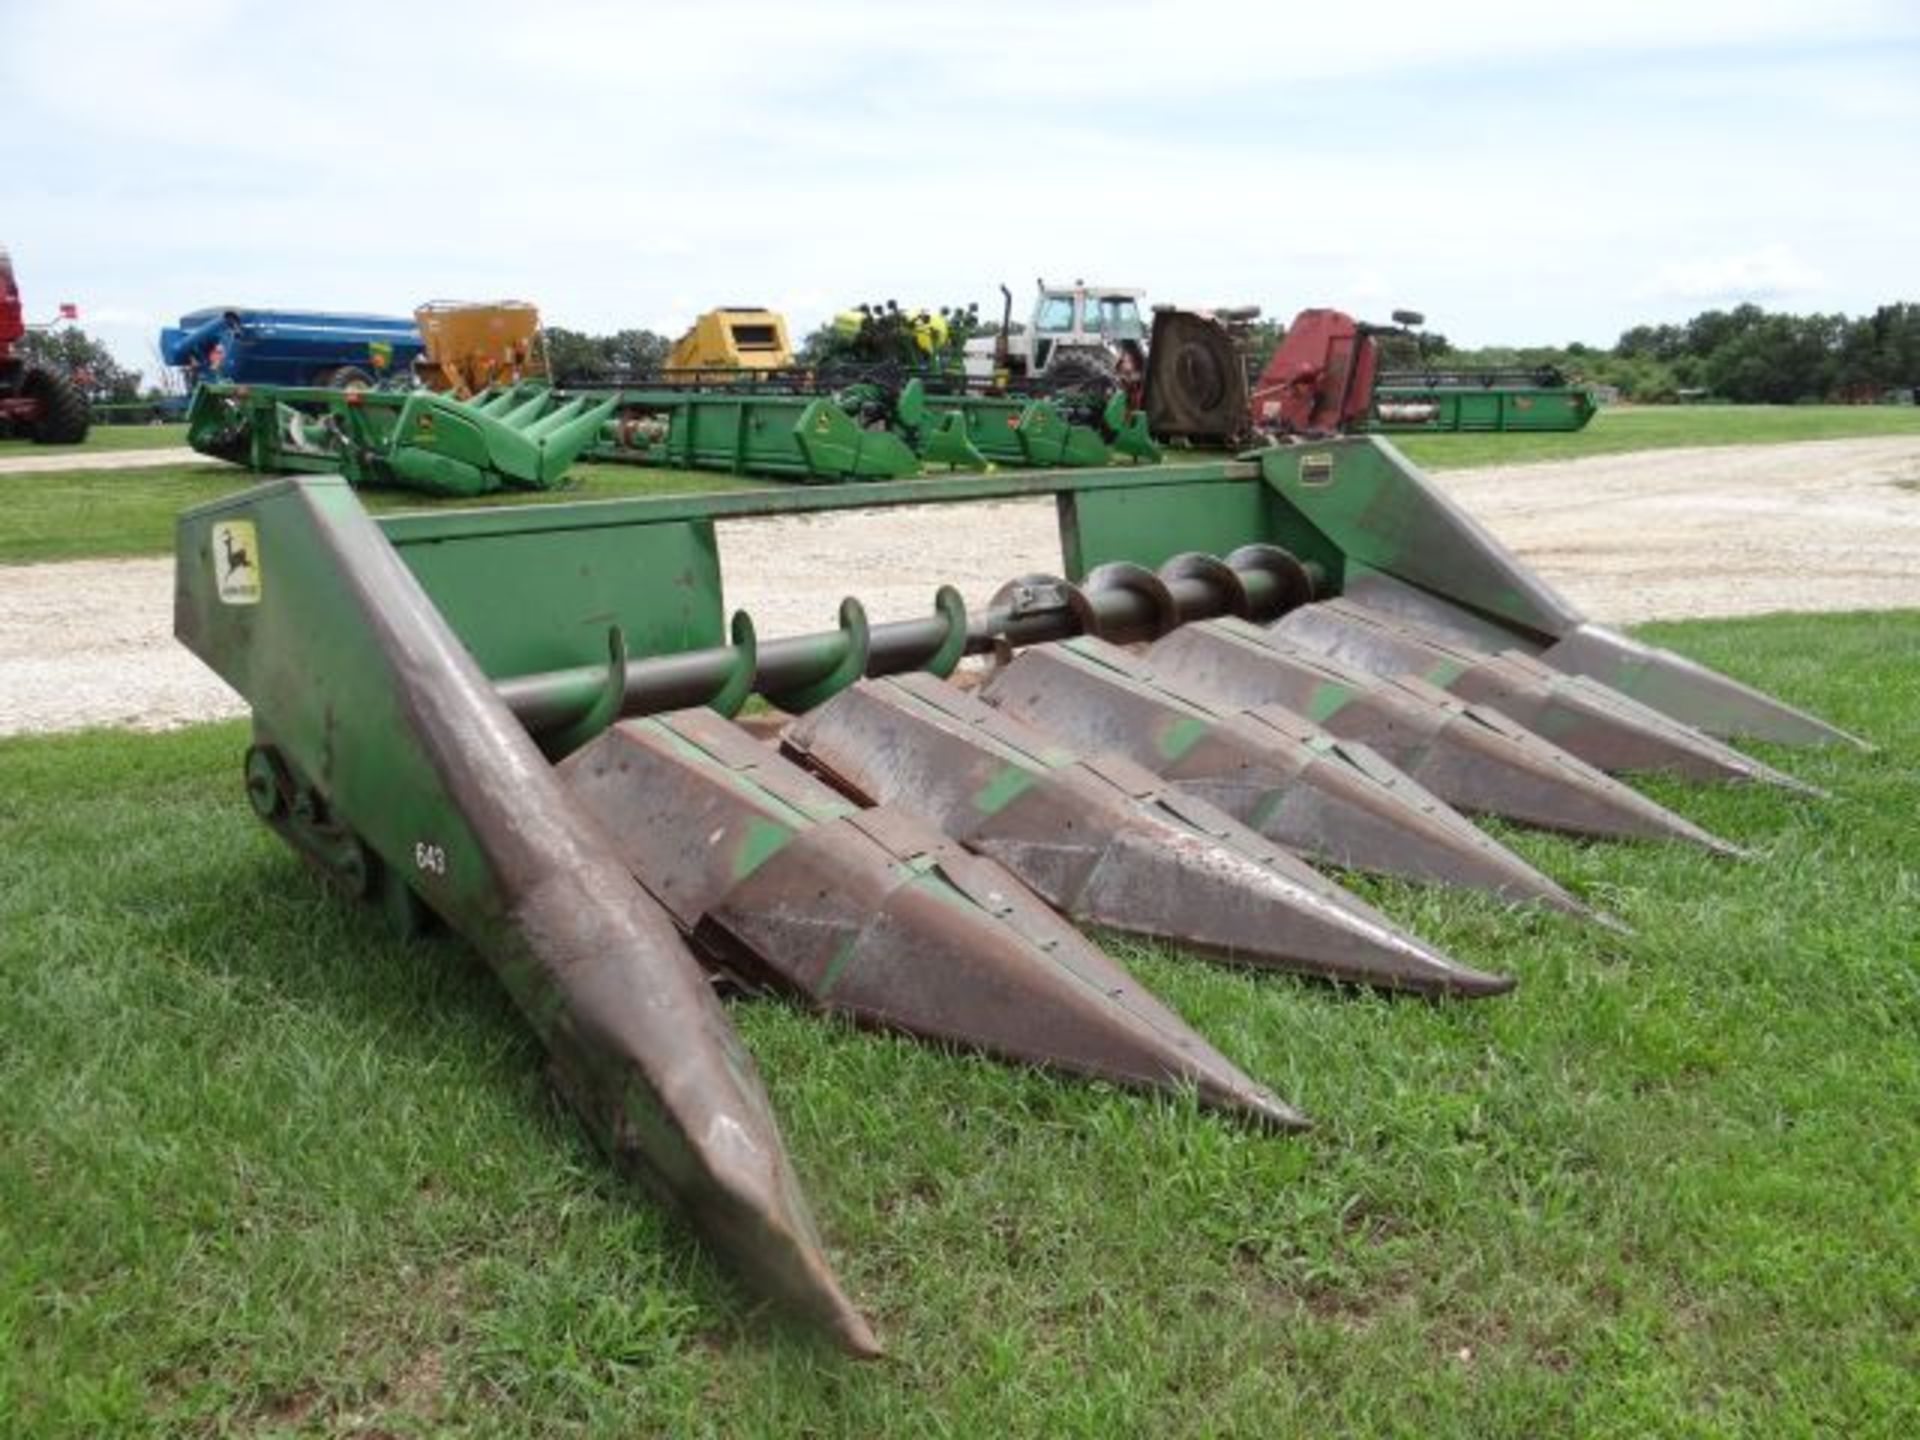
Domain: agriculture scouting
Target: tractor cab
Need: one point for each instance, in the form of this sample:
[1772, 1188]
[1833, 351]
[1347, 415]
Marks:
[1085, 318]
[1078, 333]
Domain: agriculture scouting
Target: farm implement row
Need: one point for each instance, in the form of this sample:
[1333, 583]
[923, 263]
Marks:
[1482, 400]
[525, 436]
[522, 724]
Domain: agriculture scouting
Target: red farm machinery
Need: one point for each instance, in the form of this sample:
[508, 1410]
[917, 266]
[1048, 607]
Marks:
[37, 402]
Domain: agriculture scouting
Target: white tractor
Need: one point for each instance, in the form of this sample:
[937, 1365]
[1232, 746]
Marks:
[1080, 336]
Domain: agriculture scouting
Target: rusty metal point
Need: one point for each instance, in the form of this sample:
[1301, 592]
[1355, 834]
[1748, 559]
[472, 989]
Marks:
[1330, 800]
[1472, 757]
[1603, 727]
[874, 913]
[1105, 841]
[1680, 688]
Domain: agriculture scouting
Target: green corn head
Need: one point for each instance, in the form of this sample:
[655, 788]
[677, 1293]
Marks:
[524, 438]
[558, 779]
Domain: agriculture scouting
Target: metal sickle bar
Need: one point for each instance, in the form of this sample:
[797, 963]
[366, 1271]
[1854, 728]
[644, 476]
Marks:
[1118, 602]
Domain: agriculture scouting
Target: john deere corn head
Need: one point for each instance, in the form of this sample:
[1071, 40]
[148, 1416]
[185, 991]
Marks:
[782, 425]
[1479, 399]
[519, 723]
[867, 430]
[517, 439]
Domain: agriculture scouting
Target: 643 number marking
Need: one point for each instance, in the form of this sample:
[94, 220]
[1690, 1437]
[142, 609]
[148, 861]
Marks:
[429, 859]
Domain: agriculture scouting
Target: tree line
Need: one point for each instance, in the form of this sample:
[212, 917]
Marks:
[1746, 355]
[88, 363]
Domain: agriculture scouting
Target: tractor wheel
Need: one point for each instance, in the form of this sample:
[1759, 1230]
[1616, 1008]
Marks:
[349, 377]
[63, 417]
[1091, 372]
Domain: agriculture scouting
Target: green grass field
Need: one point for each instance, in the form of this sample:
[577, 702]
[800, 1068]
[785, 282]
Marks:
[76, 514]
[265, 1170]
[93, 514]
[1665, 427]
[106, 437]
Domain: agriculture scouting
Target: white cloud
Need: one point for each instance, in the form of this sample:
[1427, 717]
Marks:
[629, 165]
[1773, 272]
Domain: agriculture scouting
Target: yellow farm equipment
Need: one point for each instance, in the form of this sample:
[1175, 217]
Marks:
[733, 338]
[470, 346]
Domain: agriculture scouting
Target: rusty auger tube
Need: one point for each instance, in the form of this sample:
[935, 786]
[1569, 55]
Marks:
[1105, 842]
[782, 881]
[1119, 602]
[1583, 717]
[1326, 799]
[1472, 757]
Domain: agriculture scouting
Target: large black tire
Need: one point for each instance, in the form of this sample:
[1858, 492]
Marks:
[63, 417]
[348, 377]
[1083, 370]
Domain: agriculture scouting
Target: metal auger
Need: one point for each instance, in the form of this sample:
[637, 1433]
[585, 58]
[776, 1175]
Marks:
[514, 720]
[1120, 600]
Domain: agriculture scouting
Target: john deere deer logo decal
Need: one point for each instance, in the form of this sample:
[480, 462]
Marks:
[236, 562]
[236, 557]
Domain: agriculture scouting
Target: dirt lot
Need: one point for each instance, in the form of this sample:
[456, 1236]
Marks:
[1831, 525]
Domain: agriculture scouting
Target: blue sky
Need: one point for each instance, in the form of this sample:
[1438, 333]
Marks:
[1520, 172]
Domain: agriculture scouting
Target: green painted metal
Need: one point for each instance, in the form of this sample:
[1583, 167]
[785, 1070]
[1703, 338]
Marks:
[381, 663]
[1498, 408]
[1361, 518]
[796, 435]
[525, 436]
[534, 588]
[1378, 512]
[383, 757]
[1032, 432]
[523, 439]
[1025, 432]
[862, 432]
[938, 437]
[651, 564]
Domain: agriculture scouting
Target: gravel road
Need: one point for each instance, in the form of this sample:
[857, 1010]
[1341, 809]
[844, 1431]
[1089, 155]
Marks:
[1829, 525]
[40, 461]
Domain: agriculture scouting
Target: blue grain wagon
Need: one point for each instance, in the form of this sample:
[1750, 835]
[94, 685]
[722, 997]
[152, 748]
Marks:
[290, 347]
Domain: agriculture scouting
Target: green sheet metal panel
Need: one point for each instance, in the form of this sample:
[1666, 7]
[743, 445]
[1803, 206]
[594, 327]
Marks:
[1150, 525]
[1495, 409]
[534, 599]
[1377, 510]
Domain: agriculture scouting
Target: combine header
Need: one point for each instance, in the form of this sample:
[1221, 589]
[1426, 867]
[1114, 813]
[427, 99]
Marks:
[1324, 378]
[525, 436]
[1479, 399]
[519, 723]
[518, 439]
